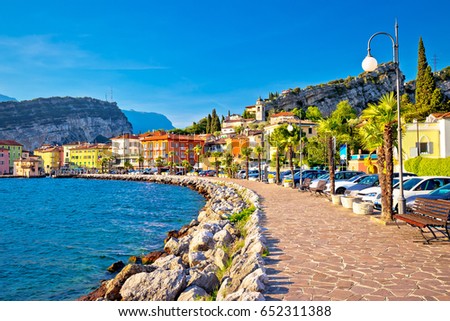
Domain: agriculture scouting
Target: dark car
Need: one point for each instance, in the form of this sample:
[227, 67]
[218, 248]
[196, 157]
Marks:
[209, 172]
[307, 173]
[442, 193]
[366, 182]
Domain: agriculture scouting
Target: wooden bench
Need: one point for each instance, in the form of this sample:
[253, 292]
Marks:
[320, 189]
[305, 185]
[430, 216]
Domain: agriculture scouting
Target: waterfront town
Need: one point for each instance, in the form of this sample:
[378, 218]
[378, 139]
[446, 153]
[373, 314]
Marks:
[181, 153]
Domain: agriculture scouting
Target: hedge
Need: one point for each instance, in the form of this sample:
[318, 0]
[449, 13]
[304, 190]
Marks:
[428, 166]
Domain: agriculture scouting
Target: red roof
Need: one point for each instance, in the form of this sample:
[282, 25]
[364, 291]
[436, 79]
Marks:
[441, 115]
[10, 143]
[283, 113]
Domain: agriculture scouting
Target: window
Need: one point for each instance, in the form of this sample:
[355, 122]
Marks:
[310, 131]
[425, 148]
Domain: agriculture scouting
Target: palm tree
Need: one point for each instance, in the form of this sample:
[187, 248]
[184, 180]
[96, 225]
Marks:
[216, 155]
[171, 161]
[291, 139]
[141, 162]
[198, 151]
[159, 162]
[259, 150]
[186, 166]
[227, 161]
[379, 130]
[246, 152]
[276, 140]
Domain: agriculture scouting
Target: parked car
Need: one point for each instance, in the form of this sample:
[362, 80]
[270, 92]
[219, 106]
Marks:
[372, 193]
[209, 172]
[366, 182]
[341, 175]
[342, 185]
[251, 173]
[415, 186]
[442, 193]
[306, 173]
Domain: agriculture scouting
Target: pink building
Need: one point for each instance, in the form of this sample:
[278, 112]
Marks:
[4, 161]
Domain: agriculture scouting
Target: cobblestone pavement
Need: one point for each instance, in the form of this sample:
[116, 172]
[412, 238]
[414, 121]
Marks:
[321, 251]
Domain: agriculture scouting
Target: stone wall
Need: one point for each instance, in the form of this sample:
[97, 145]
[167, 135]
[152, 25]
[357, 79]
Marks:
[208, 259]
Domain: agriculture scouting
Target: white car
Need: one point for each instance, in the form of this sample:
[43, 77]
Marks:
[415, 186]
[371, 194]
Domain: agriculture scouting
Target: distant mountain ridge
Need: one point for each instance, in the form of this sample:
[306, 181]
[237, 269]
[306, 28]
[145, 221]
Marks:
[6, 98]
[146, 121]
[60, 120]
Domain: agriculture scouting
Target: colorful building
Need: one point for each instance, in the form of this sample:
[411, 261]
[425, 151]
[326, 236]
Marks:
[429, 139]
[52, 157]
[126, 149]
[28, 167]
[15, 151]
[170, 147]
[4, 161]
[66, 153]
[95, 156]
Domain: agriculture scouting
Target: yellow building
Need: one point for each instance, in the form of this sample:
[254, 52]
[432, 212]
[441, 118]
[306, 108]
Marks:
[51, 156]
[429, 139]
[90, 156]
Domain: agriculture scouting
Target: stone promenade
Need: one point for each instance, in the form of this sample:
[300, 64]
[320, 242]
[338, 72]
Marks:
[321, 251]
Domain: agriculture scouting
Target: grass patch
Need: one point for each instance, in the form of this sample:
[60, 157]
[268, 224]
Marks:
[243, 215]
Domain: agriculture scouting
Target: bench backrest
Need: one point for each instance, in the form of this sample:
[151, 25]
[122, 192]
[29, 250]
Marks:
[306, 182]
[439, 209]
[322, 184]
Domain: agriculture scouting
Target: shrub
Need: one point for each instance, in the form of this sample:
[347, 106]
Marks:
[428, 166]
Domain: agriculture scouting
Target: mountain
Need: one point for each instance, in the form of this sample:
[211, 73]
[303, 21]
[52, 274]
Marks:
[146, 121]
[366, 88]
[60, 120]
[6, 98]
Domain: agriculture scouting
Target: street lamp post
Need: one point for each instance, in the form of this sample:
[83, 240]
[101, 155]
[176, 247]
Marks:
[370, 64]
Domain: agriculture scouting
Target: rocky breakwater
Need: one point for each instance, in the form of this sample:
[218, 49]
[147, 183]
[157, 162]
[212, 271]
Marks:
[218, 256]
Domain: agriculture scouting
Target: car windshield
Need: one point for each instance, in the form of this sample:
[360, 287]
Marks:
[410, 183]
[324, 176]
[444, 190]
[369, 180]
[356, 179]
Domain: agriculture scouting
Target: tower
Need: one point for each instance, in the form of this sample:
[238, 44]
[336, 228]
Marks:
[260, 107]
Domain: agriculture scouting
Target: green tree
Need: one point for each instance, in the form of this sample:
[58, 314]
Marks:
[290, 140]
[216, 156]
[276, 140]
[428, 97]
[227, 162]
[379, 131]
[215, 122]
[198, 150]
[208, 124]
[141, 162]
[246, 152]
[159, 162]
[313, 113]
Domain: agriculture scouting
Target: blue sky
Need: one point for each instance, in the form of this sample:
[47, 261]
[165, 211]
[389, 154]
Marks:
[183, 58]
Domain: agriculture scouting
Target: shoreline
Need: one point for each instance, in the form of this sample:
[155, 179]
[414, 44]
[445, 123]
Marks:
[218, 256]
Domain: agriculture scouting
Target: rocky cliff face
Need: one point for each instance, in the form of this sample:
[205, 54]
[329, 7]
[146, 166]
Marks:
[60, 120]
[368, 87]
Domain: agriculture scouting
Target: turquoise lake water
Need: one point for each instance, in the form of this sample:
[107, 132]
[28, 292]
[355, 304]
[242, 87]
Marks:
[58, 236]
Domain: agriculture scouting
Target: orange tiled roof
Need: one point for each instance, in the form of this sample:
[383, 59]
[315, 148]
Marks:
[441, 115]
[283, 113]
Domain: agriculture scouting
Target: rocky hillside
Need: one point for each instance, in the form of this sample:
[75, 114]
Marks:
[60, 120]
[366, 88]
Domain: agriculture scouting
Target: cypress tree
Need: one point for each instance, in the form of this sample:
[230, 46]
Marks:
[428, 97]
[208, 124]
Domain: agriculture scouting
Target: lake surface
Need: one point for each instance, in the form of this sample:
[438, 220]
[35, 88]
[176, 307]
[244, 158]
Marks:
[58, 236]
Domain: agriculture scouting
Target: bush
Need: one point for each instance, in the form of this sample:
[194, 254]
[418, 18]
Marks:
[428, 166]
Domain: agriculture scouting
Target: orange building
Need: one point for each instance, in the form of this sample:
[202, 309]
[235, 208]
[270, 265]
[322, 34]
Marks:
[170, 147]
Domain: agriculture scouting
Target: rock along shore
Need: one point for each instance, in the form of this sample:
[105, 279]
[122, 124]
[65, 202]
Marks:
[218, 256]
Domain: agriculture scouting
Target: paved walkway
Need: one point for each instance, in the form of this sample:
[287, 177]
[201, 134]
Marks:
[321, 251]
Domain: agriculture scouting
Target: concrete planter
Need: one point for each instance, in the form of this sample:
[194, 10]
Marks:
[362, 208]
[347, 202]
[271, 180]
[336, 199]
[287, 184]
